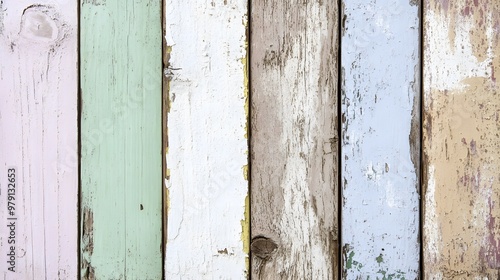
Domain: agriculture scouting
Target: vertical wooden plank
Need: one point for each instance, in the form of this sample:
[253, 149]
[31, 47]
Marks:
[461, 140]
[38, 142]
[207, 146]
[121, 139]
[294, 53]
[380, 139]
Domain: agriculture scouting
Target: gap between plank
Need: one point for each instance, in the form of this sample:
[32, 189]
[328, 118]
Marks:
[340, 15]
[79, 144]
[419, 179]
[249, 133]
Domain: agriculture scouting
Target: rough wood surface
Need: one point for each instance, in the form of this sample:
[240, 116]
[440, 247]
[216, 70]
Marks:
[207, 187]
[38, 139]
[380, 139]
[121, 183]
[294, 53]
[461, 140]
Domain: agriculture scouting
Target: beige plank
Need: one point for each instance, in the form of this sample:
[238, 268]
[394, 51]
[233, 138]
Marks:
[461, 141]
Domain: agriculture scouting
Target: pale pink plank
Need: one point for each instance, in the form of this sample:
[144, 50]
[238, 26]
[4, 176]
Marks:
[38, 137]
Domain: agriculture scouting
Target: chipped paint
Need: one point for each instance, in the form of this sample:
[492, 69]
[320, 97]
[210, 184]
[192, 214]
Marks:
[245, 224]
[294, 138]
[380, 138]
[88, 271]
[207, 140]
[245, 172]
[245, 233]
[431, 230]
[461, 139]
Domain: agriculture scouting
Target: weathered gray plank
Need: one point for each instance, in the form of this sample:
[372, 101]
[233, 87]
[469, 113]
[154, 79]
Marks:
[461, 142]
[294, 139]
[380, 139]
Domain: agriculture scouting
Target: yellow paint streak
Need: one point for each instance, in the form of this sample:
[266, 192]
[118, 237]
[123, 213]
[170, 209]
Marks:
[245, 172]
[245, 232]
[245, 223]
[167, 200]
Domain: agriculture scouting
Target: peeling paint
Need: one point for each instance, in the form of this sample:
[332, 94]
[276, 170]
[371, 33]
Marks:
[245, 172]
[294, 157]
[205, 65]
[380, 146]
[94, 2]
[460, 140]
[245, 232]
[88, 271]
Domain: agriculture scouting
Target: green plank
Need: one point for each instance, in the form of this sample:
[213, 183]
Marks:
[121, 139]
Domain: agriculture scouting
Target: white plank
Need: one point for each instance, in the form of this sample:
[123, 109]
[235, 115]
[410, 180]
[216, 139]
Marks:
[380, 139]
[207, 233]
[38, 128]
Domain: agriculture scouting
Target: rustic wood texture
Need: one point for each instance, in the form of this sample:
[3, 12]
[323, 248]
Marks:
[121, 177]
[461, 140]
[294, 155]
[38, 138]
[207, 149]
[380, 139]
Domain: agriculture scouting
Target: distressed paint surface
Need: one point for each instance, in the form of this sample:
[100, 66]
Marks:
[380, 139]
[294, 155]
[207, 148]
[461, 142]
[121, 160]
[38, 128]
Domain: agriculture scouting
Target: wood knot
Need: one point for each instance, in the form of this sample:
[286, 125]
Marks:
[38, 24]
[263, 247]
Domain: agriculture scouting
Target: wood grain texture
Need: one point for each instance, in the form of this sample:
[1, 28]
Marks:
[461, 141]
[207, 187]
[294, 53]
[38, 128]
[121, 205]
[380, 139]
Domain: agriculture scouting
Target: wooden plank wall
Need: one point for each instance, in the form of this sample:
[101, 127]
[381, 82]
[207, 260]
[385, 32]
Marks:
[461, 142]
[194, 223]
[38, 139]
[121, 78]
[207, 154]
[294, 140]
[380, 63]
